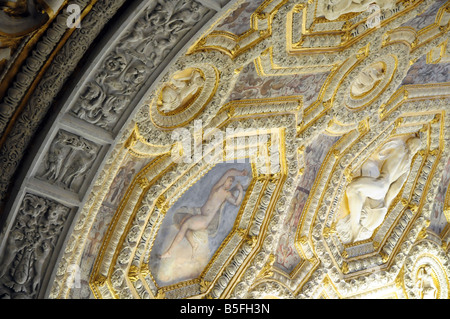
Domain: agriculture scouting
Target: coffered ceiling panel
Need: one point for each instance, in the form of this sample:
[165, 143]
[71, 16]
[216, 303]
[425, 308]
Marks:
[242, 149]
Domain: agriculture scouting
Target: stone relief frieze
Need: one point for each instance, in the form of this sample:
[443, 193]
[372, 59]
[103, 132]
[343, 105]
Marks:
[68, 160]
[140, 50]
[31, 242]
[55, 76]
[10, 46]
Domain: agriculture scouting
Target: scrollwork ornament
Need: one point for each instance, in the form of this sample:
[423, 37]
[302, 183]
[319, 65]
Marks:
[133, 60]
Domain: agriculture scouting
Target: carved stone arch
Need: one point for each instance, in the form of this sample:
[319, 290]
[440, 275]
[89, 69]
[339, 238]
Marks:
[88, 117]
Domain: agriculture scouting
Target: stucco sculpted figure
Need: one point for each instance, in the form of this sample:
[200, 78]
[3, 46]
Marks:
[333, 9]
[182, 87]
[369, 196]
[425, 284]
[89, 104]
[190, 222]
[366, 80]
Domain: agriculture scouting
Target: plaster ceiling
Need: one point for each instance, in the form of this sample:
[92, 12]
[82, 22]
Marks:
[118, 166]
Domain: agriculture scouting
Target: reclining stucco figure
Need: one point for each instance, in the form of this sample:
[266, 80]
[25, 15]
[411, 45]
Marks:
[368, 197]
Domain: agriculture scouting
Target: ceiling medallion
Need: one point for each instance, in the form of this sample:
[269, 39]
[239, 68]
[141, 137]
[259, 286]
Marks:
[367, 80]
[184, 96]
[369, 83]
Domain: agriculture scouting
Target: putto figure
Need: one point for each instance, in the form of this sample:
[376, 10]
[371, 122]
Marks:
[367, 79]
[180, 90]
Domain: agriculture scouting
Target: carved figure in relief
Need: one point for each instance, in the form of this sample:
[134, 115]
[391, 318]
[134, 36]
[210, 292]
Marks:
[190, 221]
[163, 24]
[134, 74]
[69, 157]
[333, 9]
[182, 87]
[80, 163]
[367, 79]
[90, 101]
[54, 160]
[425, 284]
[369, 196]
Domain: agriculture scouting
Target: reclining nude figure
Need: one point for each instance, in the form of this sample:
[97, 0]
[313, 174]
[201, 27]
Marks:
[368, 197]
[201, 220]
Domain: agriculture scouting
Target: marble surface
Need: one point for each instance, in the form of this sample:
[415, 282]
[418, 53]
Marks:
[428, 17]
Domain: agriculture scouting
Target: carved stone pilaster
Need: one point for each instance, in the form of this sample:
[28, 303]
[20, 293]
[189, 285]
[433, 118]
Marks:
[29, 246]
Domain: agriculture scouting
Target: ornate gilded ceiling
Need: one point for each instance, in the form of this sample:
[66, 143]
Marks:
[249, 149]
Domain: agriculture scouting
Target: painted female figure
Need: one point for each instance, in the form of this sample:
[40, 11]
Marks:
[190, 221]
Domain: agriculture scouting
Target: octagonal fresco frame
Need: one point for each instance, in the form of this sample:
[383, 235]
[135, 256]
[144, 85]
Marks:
[403, 210]
[125, 269]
